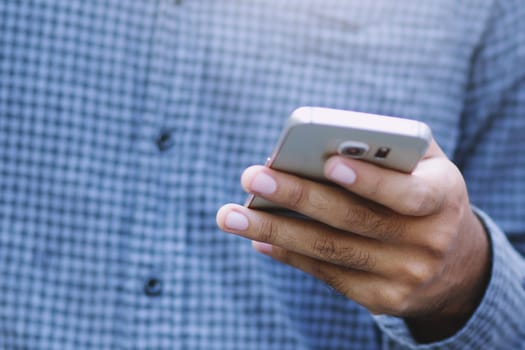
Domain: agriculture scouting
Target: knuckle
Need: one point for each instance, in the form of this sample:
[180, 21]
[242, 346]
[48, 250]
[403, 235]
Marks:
[283, 255]
[343, 287]
[297, 195]
[334, 280]
[345, 256]
[357, 259]
[377, 184]
[439, 244]
[422, 201]
[395, 300]
[360, 217]
[456, 209]
[325, 248]
[388, 230]
[418, 273]
[267, 231]
[384, 227]
[324, 274]
[360, 260]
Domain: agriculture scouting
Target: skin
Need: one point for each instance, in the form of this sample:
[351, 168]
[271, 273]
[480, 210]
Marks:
[406, 245]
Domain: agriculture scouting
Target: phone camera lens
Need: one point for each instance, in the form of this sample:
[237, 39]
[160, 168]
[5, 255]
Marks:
[353, 149]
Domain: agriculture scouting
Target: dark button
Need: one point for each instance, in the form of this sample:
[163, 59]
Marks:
[153, 287]
[165, 141]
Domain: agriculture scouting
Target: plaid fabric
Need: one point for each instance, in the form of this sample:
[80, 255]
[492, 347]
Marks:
[124, 125]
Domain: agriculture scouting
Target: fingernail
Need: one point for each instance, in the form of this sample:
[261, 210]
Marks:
[236, 221]
[263, 183]
[343, 174]
[263, 248]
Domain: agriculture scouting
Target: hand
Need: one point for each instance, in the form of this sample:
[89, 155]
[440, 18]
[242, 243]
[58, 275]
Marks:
[400, 244]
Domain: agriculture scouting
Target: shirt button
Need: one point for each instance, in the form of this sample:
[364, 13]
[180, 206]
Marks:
[153, 287]
[165, 141]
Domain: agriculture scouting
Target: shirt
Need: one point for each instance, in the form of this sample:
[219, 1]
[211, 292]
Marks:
[124, 126]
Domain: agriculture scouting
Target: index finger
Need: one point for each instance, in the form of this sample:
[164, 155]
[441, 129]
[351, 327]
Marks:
[417, 194]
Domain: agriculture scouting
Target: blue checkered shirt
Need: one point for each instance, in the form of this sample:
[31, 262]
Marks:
[124, 125]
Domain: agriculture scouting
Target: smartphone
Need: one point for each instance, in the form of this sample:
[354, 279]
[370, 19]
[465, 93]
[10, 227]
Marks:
[312, 134]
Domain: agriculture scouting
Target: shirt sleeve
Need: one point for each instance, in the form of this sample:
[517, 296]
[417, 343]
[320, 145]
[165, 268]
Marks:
[491, 156]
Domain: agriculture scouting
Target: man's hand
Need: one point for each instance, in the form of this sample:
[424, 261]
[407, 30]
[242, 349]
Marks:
[406, 245]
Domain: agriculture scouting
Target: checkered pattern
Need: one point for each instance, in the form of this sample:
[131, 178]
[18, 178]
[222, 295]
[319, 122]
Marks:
[91, 209]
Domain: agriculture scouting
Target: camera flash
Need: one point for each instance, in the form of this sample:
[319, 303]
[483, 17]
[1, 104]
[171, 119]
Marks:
[382, 152]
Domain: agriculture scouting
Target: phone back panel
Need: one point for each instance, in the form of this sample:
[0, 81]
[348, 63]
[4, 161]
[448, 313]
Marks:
[313, 134]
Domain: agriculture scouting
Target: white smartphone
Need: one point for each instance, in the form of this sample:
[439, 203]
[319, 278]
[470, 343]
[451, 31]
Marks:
[312, 134]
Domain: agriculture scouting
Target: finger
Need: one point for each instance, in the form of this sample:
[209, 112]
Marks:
[311, 239]
[372, 291]
[326, 203]
[418, 194]
[434, 151]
